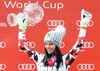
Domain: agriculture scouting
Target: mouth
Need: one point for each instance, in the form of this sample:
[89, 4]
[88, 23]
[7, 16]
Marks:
[49, 51]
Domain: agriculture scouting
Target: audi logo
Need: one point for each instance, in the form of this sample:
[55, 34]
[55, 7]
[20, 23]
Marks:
[2, 44]
[30, 44]
[62, 45]
[2, 66]
[26, 66]
[54, 23]
[85, 66]
[88, 45]
[90, 24]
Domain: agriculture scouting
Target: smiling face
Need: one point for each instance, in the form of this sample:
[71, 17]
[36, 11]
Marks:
[50, 47]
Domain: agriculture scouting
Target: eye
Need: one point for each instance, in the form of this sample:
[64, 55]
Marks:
[45, 43]
[51, 43]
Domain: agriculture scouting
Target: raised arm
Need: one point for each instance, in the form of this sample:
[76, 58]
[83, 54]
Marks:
[73, 53]
[22, 21]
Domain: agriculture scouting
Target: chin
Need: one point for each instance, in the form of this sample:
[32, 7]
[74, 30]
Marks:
[50, 53]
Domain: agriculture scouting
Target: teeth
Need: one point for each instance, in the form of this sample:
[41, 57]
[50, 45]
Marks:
[48, 50]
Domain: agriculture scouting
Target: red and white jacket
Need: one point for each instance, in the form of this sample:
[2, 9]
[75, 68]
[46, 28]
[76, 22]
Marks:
[68, 58]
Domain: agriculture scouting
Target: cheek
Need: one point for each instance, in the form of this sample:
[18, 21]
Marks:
[45, 46]
[53, 49]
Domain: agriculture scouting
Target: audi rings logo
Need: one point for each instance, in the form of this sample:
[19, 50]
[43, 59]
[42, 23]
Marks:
[53, 23]
[62, 45]
[90, 24]
[88, 45]
[85, 66]
[30, 44]
[2, 66]
[26, 66]
[2, 44]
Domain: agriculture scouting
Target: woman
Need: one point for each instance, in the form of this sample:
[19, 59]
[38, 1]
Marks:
[53, 60]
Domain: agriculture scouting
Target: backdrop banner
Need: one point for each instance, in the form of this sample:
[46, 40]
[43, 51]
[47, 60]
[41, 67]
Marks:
[43, 17]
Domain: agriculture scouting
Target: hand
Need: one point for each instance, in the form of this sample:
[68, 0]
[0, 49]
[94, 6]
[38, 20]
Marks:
[22, 20]
[85, 18]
